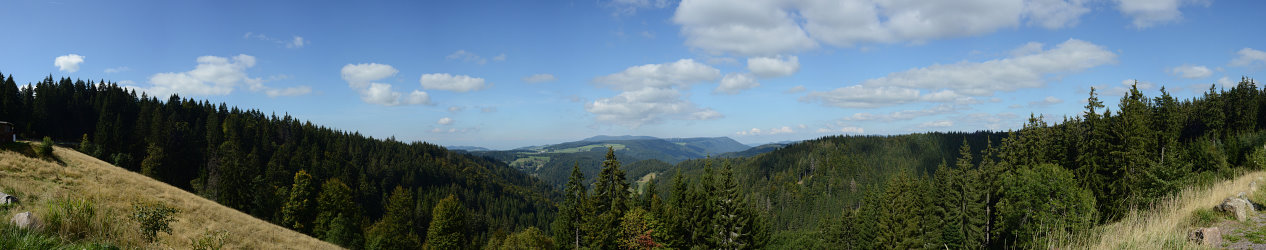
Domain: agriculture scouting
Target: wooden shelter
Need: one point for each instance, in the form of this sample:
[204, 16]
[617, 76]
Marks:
[7, 134]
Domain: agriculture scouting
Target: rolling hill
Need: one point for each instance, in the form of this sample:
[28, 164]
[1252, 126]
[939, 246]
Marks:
[552, 163]
[75, 176]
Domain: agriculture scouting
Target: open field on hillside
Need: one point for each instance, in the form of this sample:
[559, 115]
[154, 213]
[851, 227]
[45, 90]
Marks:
[114, 190]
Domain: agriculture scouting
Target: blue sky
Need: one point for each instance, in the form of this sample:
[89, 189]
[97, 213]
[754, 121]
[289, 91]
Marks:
[506, 74]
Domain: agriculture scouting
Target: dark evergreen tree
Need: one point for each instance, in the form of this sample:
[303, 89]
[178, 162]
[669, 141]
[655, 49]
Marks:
[569, 225]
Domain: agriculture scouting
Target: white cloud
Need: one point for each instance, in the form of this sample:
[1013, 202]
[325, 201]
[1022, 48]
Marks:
[445, 121]
[362, 78]
[117, 70]
[1191, 71]
[360, 75]
[1147, 13]
[381, 94]
[647, 106]
[786, 26]
[455, 109]
[843, 130]
[296, 42]
[937, 124]
[650, 94]
[772, 131]
[773, 66]
[1247, 57]
[676, 74]
[291, 91]
[733, 83]
[1049, 100]
[796, 89]
[467, 56]
[1055, 14]
[444, 81]
[217, 76]
[418, 97]
[1225, 81]
[904, 114]
[958, 82]
[69, 63]
[539, 78]
[742, 27]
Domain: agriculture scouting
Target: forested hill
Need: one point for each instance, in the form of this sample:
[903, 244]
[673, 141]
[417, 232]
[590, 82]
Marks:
[1038, 186]
[552, 163]
[342, 187]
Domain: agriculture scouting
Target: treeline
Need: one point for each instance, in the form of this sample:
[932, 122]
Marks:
[708, 212]
[342, 187]
[1046, 182]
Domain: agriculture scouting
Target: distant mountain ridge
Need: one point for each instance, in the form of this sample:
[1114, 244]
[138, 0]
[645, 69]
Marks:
[553, 163]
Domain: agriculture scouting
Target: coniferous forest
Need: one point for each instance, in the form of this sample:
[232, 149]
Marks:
[985, 189]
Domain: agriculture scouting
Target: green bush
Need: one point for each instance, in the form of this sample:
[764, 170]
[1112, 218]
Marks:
[72, 218]
[1205, 217]
[210, 240]
[45, 148]
[153, 218]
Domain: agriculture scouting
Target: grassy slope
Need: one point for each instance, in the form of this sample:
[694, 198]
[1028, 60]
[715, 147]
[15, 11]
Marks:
[114, 189]
[1165, 226]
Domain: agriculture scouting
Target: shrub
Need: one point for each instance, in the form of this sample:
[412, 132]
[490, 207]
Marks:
[45, 148]
[210, 240]
[153, 218]
[72, 218]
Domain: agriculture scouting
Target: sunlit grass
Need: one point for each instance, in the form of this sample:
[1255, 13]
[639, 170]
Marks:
[1164, 226]
[91, 198]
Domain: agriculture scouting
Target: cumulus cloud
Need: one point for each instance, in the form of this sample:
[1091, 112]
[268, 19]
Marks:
[68, 63]
[539, 78]
[445, 81]
[1147, 13]
[445, 121]
[1191, 71]
[773, 66]
[733, 83]
[651, 93]
[1247, 57]
[1055, 14]
[676, 74]
[647, 106]
[217, 76]
[961, 81]
[360, 75]
[362, 78]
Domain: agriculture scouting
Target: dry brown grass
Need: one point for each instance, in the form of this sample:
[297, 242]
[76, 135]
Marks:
[1163, 227]
[115, 189]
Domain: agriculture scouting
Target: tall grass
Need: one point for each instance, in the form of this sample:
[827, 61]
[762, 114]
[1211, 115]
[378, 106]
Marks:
[1164, 226]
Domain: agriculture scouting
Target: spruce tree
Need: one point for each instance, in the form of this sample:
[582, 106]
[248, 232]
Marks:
[568, 226]
[730, 224]
[610, 201]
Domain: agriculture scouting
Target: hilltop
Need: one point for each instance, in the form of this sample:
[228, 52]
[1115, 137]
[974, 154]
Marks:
[38, 183]
[642, 154]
